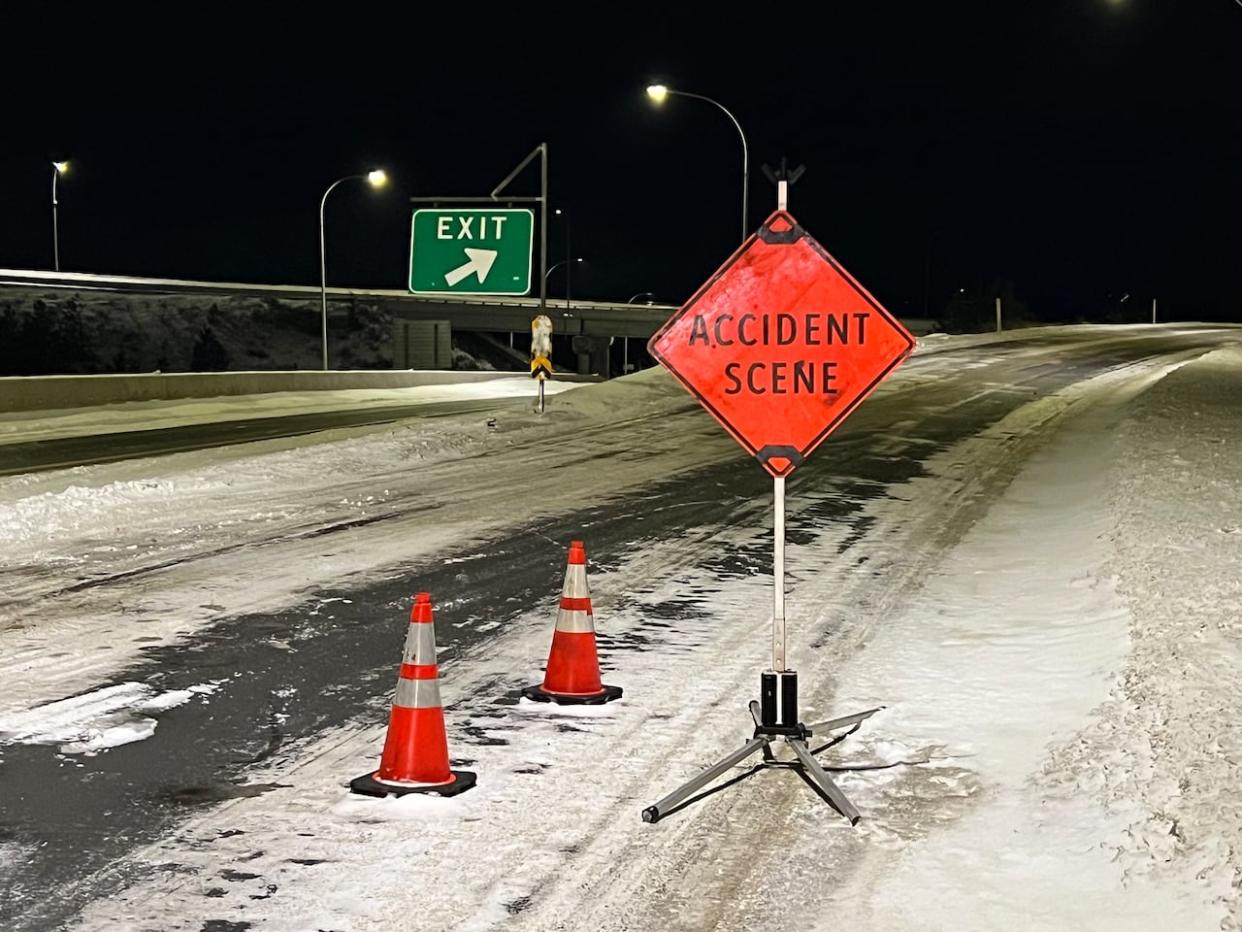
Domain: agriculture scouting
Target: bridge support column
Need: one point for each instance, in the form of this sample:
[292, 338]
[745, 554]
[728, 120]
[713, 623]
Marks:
[592, 353]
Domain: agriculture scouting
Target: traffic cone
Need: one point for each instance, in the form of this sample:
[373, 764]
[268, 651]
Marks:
[572, 677]
[415, 758]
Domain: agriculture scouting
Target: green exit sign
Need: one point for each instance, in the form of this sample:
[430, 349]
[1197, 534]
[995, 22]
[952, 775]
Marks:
[471, 251]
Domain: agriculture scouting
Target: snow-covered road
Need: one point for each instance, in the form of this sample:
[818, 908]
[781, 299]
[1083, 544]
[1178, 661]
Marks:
[958, 553]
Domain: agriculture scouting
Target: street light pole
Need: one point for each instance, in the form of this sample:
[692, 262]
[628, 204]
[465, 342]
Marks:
[625, 341]
[377, 179]
[560, 212]
[58, 169]
[568, 263]
[558, 265]
[658, 92]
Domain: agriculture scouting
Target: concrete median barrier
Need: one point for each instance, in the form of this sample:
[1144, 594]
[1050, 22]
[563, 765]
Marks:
[38, 393]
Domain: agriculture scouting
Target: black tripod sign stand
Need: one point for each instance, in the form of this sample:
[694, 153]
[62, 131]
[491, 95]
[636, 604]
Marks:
[776, 713]
[796, 736]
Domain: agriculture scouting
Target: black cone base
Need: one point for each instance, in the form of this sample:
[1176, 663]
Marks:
[539, 694]
[367, 785]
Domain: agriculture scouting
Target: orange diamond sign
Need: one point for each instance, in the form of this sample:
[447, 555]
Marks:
[781, 344]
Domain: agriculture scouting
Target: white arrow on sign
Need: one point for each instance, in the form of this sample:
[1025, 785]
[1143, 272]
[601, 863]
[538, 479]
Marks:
[479, 262]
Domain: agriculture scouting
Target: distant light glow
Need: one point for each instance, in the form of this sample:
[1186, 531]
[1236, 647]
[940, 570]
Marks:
[658, 93]
[61, 167]
[377, 178]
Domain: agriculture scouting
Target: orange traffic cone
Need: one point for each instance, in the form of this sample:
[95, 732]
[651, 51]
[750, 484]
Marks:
[415, 758]
[572, 677]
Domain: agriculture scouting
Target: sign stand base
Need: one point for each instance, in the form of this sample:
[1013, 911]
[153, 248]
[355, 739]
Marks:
[794, 733]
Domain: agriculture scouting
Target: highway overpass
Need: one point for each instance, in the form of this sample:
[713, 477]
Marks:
[587, 326]
[492, 314]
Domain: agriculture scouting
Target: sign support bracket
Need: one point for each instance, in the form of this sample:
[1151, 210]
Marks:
[539, 152]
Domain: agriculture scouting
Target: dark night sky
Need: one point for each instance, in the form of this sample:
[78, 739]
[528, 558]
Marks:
[1079, 148]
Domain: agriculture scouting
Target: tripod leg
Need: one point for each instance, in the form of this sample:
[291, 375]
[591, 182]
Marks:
[824, 782]
[755, 714]
[661, 809]
[843, 721]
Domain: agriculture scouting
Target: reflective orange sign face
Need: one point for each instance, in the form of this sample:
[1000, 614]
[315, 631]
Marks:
[781, 344]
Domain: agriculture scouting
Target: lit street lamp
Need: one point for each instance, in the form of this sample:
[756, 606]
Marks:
[376, 179]
[58, 169]
[659, 93]
[642, 294]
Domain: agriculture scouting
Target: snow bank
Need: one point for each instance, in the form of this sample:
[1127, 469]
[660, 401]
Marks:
[939, 342]
[1165, 753]
[1000, 662]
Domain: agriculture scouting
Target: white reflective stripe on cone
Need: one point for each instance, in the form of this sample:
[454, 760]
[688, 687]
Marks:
[418, 694]
[575, 620]
[420, 644]
[576, 582]
[376, 777]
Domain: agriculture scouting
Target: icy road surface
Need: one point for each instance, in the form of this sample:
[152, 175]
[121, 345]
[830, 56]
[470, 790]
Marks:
[1021, 548]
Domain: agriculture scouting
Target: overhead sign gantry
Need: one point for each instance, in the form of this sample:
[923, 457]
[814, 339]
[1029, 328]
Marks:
[484, 250]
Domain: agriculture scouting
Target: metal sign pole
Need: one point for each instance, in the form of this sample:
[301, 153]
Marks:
[778, 524]
[56, 225]
[543, 234]
[778, 577]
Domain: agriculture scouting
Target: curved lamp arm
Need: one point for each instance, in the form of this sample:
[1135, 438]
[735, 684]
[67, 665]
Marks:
[745, 150]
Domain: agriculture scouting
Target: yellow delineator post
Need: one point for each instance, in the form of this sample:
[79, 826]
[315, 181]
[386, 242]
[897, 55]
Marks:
[541, 369]
[541, 352]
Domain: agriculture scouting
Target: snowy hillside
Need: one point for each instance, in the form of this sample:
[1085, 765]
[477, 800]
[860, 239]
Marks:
[53, 331]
